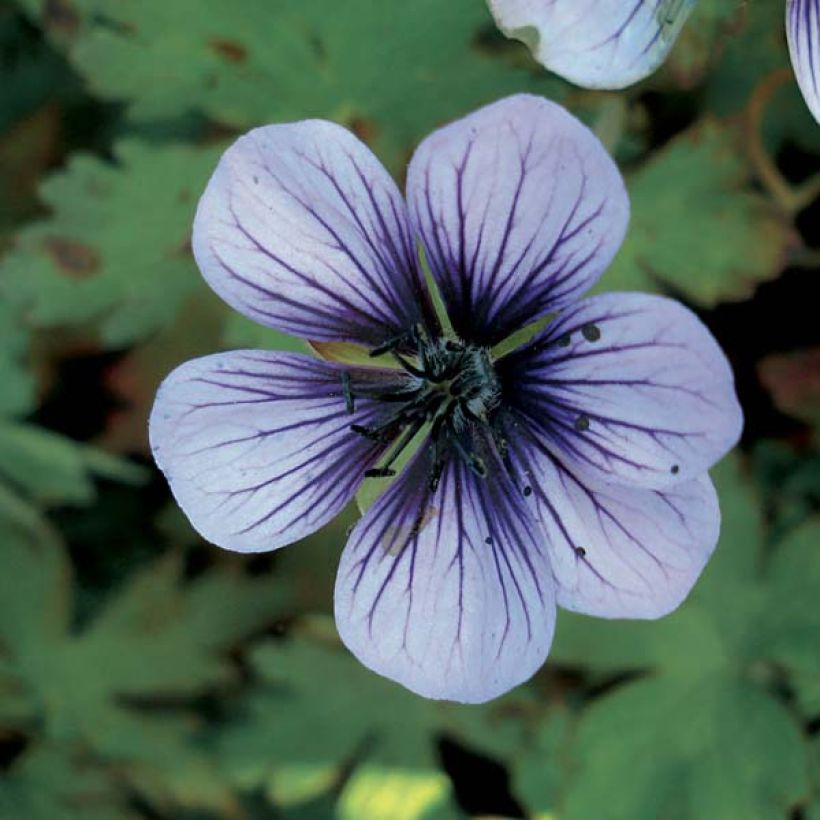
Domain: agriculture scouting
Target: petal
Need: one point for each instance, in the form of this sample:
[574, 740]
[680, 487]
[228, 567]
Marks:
[447, 592]
[803, 30]
[520, 210]
[302, 229]
[257, 446]
[595, 43]
[617, 552]
[629, 388]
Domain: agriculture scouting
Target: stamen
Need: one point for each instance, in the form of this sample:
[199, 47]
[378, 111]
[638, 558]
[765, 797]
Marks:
[474, 462]
[410, 368]
[582, 423]
[675, 469]
[488, 540]
[527, 491]
[390, 345]
[580, 552]
[563, 341]
[374, 434]
[348, 393]
[379, 472]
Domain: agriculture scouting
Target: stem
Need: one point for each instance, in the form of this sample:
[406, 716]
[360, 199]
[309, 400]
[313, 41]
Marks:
[786, 198]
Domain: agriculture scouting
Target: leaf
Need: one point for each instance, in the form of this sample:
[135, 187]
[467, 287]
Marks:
[792, 618]
[320, 711]
[686, 749]
[701, 42]
[54, 469]
[157, 638]
[735, 78]
[697, 227]
[793, 379]
[701, 733]
[17, 395]
[116, 249]
[374, 793]
[51, 782]
[291, 60]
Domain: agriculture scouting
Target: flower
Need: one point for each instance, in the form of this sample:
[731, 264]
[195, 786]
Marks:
[571, 470]
[614, 43]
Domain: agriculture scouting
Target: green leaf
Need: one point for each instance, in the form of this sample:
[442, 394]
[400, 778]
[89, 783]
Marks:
[158, 637]
[291, 60]
[321, 710]
[54, 469]
[701, 733]
[116, 248]
[711, 747]
[51, 781]
[792, 621]
[697, 227]
[375, 793]
[17, 395]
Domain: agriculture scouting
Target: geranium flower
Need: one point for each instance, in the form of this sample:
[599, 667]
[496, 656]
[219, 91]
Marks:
[570, 471]
[614, 43]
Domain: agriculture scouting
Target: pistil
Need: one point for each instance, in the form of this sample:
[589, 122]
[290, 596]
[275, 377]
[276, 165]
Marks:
[453, 384]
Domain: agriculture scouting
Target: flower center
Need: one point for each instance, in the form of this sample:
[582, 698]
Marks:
[450, 385]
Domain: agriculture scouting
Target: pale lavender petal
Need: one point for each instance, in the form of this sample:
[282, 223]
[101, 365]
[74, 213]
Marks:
[520, 210]
[803, 30]
[302, 229]
[257, 446]
[595, 43]
[629, 388]
[616, 552]
[448, 592]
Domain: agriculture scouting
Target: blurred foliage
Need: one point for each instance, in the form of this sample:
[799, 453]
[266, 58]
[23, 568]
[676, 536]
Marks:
[146, 675]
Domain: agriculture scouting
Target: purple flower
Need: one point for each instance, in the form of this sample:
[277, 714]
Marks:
[614, 43]
[571, 470]
[803, 31]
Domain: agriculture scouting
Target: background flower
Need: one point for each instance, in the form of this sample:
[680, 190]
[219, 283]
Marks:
[611, 44]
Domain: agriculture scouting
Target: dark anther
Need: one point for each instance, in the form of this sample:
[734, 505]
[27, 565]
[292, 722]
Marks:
[488, 540]
[379, 472]
[391, 344]
[591, 332]
[477, 465]
[675, 469]
[410, 368]
[454, 347]
[564, 340]
[527, 491]
[580, 552]
[582, 423]
[373, 435]
[435, 475]
[348, 392]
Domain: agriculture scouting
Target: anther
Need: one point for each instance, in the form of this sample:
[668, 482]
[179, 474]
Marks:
[580, 552]
[348, 393]
[527, 491]
[582, 423]
[488, 540]
[478, 466]
[373, 435]
[564, 340]
[379, 472]
[591, 332]
[675, 469]
[388, 346]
